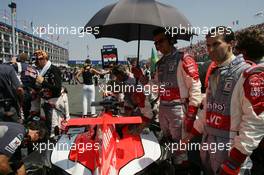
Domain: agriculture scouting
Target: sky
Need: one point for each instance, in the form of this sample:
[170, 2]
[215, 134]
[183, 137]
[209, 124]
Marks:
[74, 14]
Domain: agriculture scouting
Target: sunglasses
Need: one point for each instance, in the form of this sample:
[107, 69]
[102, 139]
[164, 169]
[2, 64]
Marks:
[39, 58]
[159, 41]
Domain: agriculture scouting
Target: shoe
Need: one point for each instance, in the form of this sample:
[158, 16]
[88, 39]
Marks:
[93, 115]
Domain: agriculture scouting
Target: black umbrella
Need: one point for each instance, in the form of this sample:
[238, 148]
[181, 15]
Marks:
[130, 20]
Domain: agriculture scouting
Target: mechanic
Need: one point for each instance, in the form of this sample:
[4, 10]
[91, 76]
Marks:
[181, 96]
[250, 43]
[135, 101]
[11, 136]
[229, 117]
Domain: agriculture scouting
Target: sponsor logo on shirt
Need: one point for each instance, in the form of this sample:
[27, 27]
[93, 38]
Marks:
[228, 85]
[14, 144]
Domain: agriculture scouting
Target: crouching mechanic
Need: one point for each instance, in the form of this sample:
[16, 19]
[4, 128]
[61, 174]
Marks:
[180, 90]
[135, 101]
[232, 118]
[12, 135]
[250, 43]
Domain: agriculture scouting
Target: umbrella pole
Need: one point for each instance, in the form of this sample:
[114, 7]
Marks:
[139, 32]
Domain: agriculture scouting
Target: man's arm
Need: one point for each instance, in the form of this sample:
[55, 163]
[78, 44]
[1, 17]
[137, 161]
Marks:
[252, 124]
[22, 170]
[4, 165]
[16, 85]
[96, 72]
[191, 78]
[20, 93]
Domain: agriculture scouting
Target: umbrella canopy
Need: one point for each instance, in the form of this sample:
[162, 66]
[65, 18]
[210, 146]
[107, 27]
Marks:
[130, 20]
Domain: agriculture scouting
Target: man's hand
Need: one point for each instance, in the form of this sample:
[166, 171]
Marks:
[190, 118]
[4, 165]
[108, 93]
[228, 168]
[106, 72]
[138, 98]
[22, 170]
[39, 79]
[232, 165]
[138, 74]
[20, 92]
[63, 125]
[188, 123]
[187, 139]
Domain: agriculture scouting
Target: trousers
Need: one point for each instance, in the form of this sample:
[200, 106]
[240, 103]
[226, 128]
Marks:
[88, 97]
